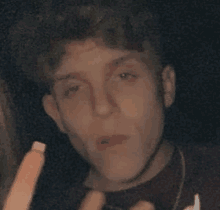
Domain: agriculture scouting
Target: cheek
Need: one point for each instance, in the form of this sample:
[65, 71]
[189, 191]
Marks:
[134, 101]
[77, 123]
[132, 107]
[142, 106]
[74, 117]
[79, 146]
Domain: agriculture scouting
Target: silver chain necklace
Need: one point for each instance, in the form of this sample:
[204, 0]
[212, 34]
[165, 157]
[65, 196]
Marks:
[183, 179]
[180, 189]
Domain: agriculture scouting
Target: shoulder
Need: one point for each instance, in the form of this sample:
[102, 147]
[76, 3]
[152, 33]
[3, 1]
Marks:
[207, 155]
[203, 173]
[202, 161]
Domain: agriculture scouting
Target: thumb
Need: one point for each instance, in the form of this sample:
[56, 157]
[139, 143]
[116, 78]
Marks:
[94, 201]
[189, 208]
[143, 205]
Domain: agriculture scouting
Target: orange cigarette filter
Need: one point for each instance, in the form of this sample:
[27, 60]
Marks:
[22, 189]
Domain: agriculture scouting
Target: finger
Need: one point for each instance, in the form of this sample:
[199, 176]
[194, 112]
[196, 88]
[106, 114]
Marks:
[189, 208]
[21, 192]
[196, 204]
[143, 205]
[94, 201]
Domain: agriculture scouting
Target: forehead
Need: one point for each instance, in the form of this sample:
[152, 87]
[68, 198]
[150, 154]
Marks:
[93, 54]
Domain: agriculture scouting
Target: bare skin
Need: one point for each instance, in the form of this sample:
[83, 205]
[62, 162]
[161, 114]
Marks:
[23, 187]
[161, 160]
[20, 195]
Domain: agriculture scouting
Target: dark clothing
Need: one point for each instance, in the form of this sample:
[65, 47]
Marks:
[202, 177]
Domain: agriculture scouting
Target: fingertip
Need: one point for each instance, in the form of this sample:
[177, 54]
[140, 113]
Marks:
[94, 200]
[97, 195]
[143, 205]
[189, 208]
[39, 146]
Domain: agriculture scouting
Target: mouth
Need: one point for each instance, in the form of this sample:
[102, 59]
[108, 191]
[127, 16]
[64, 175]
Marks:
[104, 142]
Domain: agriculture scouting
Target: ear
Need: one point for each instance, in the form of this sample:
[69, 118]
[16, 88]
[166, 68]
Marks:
[51, 109]
[169, 85]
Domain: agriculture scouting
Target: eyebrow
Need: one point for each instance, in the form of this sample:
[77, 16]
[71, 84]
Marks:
[117, 62]
[65, 77]
[121, 60]
[72, 75]
[111, 66]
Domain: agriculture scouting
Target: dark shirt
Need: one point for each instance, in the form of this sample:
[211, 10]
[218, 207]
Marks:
[202, 176]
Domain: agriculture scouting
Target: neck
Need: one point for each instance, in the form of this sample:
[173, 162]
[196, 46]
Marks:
[161, 159]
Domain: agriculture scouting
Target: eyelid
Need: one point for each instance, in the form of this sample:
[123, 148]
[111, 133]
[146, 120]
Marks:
[72, 83]
[129, 71]
[72, 80]
[127, 66]
[116, 76]
[67, 89]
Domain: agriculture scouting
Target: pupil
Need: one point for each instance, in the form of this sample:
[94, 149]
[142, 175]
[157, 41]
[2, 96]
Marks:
[124, 75]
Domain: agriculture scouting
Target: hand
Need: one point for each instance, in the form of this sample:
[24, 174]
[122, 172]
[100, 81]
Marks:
[196, 205]
[22, 189]
[95, 200]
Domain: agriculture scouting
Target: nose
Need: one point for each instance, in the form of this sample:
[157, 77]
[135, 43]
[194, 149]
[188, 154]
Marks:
[103, 104]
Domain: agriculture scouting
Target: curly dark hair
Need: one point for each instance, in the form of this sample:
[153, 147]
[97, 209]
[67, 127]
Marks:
[38, 41]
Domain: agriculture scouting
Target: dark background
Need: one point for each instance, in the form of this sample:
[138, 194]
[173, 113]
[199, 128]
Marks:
[191, 31]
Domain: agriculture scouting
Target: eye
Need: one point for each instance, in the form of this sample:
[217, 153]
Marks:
[73, 89]
[127, 76]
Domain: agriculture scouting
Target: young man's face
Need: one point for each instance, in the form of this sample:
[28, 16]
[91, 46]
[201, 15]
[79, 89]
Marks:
[108, 92]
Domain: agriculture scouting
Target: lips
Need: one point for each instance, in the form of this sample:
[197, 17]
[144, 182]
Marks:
[108, 141]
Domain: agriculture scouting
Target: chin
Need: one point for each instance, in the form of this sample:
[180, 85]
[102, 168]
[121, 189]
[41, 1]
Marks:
[123, 171]
[121, 178]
